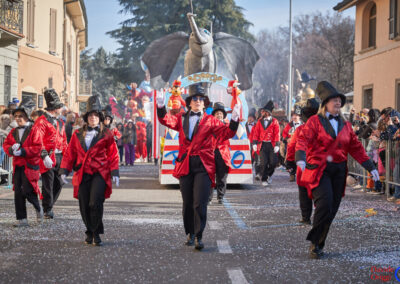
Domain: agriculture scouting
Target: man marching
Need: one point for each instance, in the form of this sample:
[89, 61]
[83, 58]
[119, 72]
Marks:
[23, 143]
[310, 109]
[266, 142]
[195, 165]
[54, 142]
[222, 156]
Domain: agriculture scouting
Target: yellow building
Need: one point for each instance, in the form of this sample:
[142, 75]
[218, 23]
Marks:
[11, 31]
[377, 52]
[49, 55]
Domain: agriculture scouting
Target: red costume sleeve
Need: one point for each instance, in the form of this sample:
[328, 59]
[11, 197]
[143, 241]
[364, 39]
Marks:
[116, 133]
[306, 136]
[255, 132]
[7, 144]
[276, 132]
[291, 148]
[224, 132]
[169, 120]
[285, 132]
[356, 149]
[113, 157]
[32, 149]
[70, 154]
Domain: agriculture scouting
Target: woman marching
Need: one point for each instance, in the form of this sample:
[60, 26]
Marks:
[93, 155]
[195, 165]
[24, 144]
[321, 153]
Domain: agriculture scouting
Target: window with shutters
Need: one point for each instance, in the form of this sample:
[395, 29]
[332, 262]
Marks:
[367, 97]
[30, 27]
[7, 84]
[53, 31]
[372, 27]
[398, 94]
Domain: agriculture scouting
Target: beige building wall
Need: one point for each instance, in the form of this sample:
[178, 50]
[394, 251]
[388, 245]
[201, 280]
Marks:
[376, 67]
[39, 65]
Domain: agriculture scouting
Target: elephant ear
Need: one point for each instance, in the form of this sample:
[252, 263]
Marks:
[240, 57]
[161, 56]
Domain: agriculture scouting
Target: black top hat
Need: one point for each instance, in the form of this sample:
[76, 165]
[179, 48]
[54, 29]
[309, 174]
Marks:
[269, 107]
[297, 110]
[108, 113]
[27, 106]
[197, 90]
[93, 105]
[219, 107]
[52, 100]
[310, 109]
[325, 91]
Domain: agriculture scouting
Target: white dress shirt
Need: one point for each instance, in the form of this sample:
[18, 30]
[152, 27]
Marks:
[89, 137]
[266, 121]
[192, 123]
[333, 122]
[22, 130]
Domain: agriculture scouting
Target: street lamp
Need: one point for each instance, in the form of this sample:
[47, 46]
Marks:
[290, 87]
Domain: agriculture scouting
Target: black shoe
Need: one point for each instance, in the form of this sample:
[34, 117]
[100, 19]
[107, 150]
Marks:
[198, 244]
[97, 241]
[89, 238]
[305, 221]
[190, 240]
[315, 252]
[49, 214]
[4, 181]
[219, 200]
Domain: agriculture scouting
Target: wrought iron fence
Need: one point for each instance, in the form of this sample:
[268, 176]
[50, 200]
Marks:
[11, 15]
[6, 166]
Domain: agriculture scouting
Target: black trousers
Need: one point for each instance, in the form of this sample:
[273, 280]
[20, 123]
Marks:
[149, 149]
[305, 203]
[195, 190]
[51, 185]
[268, 160]
[327, 197]
[91, 200]
[23, 190]
[121, 153]
[221, 175]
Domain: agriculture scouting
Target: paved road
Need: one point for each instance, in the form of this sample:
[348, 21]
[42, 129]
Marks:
[253, 238]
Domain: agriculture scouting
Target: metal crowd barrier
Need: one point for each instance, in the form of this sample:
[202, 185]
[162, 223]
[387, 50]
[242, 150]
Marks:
[6, 165]
[391, 166]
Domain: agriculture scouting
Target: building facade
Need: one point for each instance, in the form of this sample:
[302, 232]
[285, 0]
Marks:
[11, 31]
[377, 52]
[55, 34]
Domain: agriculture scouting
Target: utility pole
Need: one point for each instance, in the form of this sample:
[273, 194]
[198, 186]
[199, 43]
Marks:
[290, 86]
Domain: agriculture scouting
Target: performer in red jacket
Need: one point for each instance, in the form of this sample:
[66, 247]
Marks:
[24, 144]
[286, 136]
[53, 142]
[108, 120]
[195, 165]
[266, 142]
[93, 155]
[310, 109]
[222, 156]
[321, 153]
[141, 147]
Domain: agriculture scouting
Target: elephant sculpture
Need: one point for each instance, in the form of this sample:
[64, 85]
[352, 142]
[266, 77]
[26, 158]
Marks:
[162, 54]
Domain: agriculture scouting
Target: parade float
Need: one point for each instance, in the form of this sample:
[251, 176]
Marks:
[200, 67]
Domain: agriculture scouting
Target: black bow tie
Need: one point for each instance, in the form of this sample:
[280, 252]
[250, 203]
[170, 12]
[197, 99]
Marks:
[195, 113]
[333, 117]
[21, 127]
[93, 128]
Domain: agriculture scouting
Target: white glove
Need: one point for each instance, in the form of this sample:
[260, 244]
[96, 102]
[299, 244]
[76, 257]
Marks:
[276, 149]
[17, 153]
[160, 100]
[115, 180]
[15, 146]
[255, 148]
[64, 179]
[301, 164]
[375, 175]
[48, 162]
[236, 112]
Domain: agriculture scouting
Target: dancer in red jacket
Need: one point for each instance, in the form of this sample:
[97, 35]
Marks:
[310, 109]
[266, 142]
[195, 165]
[222, 157]
[24, 144]
[53, 142]
[93, 155]
[321, 153]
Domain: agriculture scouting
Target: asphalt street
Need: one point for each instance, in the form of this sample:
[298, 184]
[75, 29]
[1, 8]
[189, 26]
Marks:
[254, 237]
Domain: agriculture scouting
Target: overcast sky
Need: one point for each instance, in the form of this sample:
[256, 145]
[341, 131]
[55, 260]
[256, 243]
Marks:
[103, 16]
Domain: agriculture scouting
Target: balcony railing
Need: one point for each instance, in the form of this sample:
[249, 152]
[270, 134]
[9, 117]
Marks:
[85, 87]
[11, 15]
